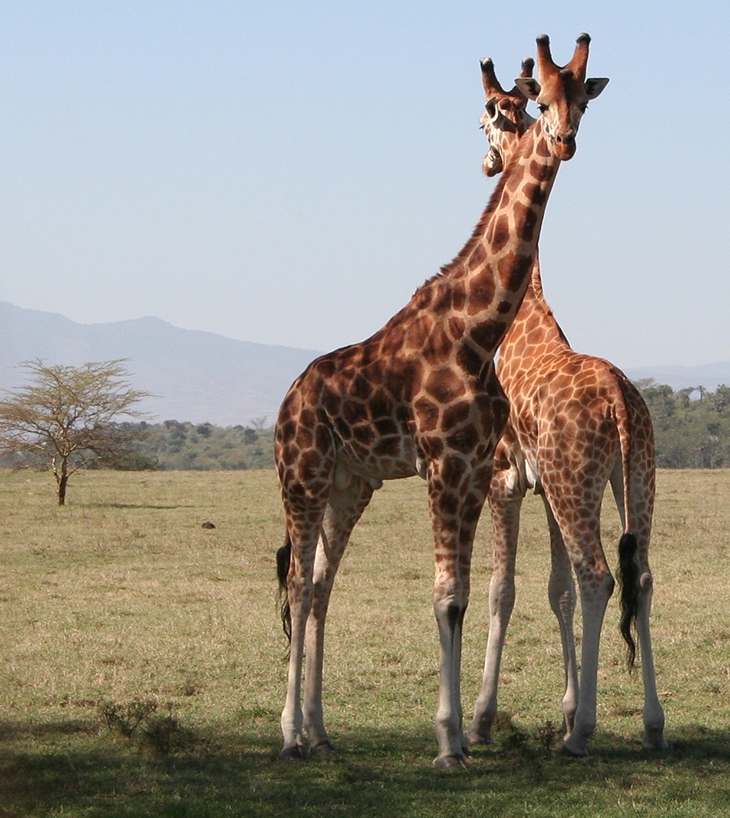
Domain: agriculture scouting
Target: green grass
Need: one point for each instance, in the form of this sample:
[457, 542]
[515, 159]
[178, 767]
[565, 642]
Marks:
[142, 662]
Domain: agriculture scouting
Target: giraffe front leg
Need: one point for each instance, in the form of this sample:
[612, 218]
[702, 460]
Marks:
[454, 521]
[449, 608]
[505, 501]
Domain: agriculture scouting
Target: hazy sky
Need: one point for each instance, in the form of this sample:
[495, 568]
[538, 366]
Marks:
[289, 173]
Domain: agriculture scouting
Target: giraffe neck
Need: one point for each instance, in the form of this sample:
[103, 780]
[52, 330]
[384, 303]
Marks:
[533, 334]
[488, 279]
[458, 318]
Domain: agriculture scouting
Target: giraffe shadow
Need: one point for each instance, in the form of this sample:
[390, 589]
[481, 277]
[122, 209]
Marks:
[79, 767]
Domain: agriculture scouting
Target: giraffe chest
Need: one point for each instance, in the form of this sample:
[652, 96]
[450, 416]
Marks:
[389, 457]
[374, 439]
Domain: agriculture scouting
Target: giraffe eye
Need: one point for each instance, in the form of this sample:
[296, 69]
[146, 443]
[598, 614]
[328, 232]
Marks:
[542, 108]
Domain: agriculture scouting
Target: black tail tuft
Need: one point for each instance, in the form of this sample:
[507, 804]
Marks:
[628, 574]
[283, 558]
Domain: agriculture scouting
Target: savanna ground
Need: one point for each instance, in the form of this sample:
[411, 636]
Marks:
[142, 663]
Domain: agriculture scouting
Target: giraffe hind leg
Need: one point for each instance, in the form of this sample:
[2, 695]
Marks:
[299, 601]
[347, 502]
[582, 543]
[642, 485]
[653, 714]
[561, 594]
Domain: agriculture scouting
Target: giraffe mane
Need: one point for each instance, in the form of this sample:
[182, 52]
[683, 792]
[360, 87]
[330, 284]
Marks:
[456, 266]
[547, 309]
[478, 233]
[535, 286]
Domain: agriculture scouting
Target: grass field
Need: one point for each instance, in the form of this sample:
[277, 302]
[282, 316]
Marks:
[142, 662]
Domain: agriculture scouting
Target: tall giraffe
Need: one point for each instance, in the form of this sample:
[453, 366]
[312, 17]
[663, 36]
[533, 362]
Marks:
[576, 423]
[418, 397]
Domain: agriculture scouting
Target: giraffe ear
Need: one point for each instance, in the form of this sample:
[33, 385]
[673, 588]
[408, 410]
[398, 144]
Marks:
[491, 108]
[529, 86]
[595, 86]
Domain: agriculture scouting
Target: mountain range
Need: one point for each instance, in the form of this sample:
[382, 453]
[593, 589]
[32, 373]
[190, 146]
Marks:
[200, 376]
[194, 376]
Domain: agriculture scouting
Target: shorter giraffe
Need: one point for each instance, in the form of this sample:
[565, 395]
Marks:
[576, 423]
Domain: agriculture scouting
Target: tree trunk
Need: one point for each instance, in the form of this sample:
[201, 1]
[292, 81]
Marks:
[62, 478]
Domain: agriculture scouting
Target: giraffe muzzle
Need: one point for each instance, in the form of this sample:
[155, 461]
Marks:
[492, 164]
[564, 146]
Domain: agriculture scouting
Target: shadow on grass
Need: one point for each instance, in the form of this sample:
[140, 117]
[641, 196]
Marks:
[82, 768]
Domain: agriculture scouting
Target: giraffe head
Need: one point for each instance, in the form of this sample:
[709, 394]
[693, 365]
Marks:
[562, 94]
[505, 119]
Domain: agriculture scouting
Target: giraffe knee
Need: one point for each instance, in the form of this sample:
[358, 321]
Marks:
[455, 615]
[449, 613]
[646, 583]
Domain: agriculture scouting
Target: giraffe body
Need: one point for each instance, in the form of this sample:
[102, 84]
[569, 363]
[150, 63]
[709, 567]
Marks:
[576, 424]
[418, 397]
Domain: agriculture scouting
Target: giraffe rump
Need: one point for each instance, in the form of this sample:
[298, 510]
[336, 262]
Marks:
[283, 559]
[628, 575]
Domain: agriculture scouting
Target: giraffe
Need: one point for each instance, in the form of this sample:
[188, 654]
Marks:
[417, 397]
[576, 423]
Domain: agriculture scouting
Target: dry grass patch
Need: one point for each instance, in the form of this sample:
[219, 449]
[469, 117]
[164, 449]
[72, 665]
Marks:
[121, 606]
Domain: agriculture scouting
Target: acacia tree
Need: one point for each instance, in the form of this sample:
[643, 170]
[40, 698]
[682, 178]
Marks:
[66, 416]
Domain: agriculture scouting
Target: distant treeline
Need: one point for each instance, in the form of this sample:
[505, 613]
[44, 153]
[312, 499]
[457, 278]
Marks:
[173, 445]
[691, 427]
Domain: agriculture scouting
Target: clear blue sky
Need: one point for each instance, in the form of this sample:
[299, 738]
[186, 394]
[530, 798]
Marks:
[289, 173]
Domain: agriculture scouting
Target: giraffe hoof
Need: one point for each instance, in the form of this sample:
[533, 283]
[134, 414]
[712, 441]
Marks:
[474, 738]
[577, 753]
[295, 753]
[452, 762]
[324, 748]
[655, 744]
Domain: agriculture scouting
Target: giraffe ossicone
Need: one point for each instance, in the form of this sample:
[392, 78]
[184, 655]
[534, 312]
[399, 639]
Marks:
[576, 424]
[418, 397]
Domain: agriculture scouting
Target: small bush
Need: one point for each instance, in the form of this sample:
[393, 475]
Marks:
[139, 720]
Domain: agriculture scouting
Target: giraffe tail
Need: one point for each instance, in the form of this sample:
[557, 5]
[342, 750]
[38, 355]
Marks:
[629, 580]
[283, 559]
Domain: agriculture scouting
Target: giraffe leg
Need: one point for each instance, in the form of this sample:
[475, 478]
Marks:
[505, 500]
[641, 514]
[345, 507]
[596, 586]
[653, 714]
[299, 593]
[305, 495]
[454, 515]
[574, 481]
[561, 593]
